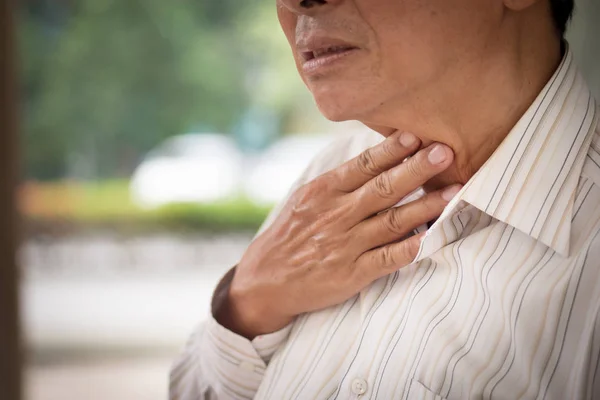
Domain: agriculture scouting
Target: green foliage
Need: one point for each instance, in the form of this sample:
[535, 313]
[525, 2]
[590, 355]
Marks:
[103, 82]
[115, 77]
[233, 215]
[107, 205]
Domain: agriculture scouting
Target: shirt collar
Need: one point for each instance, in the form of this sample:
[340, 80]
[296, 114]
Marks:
[530, 181]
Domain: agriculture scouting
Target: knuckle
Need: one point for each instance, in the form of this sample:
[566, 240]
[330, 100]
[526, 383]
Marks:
[317, 186]
[301, 192]
[387, 257]
[383, 186]
[415, 167]
[338, 258]
[326, 182]
[390, 148]
[409, 250]
[299, 212]
[392, 222]
[302, 200]
[366, 163]
[307, 192]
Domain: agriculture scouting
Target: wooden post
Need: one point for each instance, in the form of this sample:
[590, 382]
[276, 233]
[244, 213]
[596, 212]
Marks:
[10, 348]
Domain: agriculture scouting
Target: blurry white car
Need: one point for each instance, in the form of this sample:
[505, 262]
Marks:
[195, 167]
[280, 165]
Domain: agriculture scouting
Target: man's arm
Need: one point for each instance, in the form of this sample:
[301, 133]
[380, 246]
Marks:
[340, 227]
[217, 362]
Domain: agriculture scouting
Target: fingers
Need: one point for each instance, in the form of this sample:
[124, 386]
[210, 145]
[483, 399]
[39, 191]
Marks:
[372, 162]
[387, 189]
[383, 261]
[397, 222]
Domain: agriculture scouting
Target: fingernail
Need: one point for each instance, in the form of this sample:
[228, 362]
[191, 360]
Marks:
[407, 139]
[437, 155]
[449, 193]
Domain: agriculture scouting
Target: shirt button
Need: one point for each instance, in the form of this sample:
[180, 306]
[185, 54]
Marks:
[247, 365]
[359, 386]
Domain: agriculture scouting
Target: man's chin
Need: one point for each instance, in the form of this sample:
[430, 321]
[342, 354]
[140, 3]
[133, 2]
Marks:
[338, 109]
[336, 117]
[345, 100]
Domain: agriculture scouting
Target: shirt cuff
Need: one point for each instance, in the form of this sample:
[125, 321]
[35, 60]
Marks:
[237, 363]
[232, 346]
[262, 346]
[267, 345]
[235, 367]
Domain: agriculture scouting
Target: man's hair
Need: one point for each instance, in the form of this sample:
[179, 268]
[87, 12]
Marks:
[562, 10]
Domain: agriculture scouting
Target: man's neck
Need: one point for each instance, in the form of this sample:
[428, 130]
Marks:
[474, 113]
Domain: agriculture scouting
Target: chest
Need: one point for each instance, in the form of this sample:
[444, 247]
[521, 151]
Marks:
[494, 315]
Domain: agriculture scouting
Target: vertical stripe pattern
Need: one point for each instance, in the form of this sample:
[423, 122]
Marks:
[502, 301]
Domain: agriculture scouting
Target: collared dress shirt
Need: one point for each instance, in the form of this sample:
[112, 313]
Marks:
[502, 301]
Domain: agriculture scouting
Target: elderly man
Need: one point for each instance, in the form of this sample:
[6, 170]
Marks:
[454, 255]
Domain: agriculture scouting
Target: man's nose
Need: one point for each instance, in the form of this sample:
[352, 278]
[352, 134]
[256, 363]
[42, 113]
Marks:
[308, 6]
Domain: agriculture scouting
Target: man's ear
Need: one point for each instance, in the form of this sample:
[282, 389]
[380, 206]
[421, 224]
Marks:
[518, 5]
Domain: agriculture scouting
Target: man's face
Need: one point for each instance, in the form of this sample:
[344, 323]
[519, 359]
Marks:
[359, 56]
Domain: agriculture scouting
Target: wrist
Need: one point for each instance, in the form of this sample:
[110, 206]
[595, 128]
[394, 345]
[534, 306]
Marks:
[236, 311]
[232, 315]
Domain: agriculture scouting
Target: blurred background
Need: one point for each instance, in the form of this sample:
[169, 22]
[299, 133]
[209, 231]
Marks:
[156, 136]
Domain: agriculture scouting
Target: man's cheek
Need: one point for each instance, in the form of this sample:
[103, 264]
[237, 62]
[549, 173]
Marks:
[288, 22]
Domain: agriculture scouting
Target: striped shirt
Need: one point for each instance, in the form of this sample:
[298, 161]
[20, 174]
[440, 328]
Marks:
[502, 301]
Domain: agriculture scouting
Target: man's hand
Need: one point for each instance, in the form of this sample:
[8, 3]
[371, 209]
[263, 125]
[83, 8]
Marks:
[331, 239]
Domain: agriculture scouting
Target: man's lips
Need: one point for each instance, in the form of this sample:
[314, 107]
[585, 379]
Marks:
[325, 52]
[316, 45]
[316, 53]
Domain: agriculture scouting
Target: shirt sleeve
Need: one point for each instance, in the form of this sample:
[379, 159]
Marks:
[216, 363]
[219, 364]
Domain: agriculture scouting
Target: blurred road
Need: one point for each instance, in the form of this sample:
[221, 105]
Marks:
[104, 316]
[117, 379]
